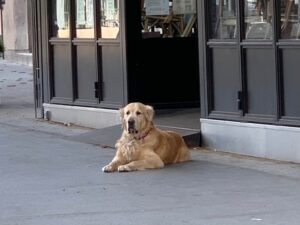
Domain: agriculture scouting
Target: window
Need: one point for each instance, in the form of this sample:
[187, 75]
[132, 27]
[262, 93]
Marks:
[290, 19]
[84, 19]
[223, 19]
[110, 24]
[61, 18]
[167, 19]
[258, 19]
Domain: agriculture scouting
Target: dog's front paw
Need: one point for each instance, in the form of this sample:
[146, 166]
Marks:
[124, 168]
[108, 169]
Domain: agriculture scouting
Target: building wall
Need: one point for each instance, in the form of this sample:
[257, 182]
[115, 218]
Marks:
[15, 31]
[0, 27]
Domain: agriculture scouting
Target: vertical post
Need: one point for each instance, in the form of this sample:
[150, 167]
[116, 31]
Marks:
[1, 19]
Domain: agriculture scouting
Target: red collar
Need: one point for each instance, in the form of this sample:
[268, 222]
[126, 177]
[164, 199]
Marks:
[144, 135]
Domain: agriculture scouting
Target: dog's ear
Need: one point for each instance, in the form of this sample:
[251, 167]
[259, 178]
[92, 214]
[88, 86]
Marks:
[150, 112]
[121, 111]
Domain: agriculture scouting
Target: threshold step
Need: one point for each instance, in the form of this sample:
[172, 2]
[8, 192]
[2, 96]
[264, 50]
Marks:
[107, 137]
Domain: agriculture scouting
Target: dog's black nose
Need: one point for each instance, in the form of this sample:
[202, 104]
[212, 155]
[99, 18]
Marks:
[131, 124]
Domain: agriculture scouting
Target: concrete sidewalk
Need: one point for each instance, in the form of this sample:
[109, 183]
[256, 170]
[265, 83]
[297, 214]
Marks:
[17, 101]
[48, 179]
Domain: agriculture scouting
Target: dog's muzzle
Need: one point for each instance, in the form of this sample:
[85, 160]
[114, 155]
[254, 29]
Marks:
[131, 127]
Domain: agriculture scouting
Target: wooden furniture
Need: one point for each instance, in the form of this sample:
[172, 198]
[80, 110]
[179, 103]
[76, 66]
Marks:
[169, 24]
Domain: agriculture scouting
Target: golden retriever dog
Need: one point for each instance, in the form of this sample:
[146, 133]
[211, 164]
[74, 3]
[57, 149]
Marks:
[142, 145]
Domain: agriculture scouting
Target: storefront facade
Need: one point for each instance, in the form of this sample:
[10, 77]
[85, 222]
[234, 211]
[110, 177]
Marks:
[250, 77]
[103, 54]
[238, 58]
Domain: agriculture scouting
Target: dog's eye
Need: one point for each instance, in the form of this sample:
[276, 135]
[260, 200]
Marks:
[127, 113]
[138, 113]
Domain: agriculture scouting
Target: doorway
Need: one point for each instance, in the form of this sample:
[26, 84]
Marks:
[162, 53]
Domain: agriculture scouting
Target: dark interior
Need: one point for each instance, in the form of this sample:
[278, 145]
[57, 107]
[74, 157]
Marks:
[162, 72]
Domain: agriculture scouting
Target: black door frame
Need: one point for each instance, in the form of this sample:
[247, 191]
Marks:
[35, 10]
[277, 45]
[107, 78]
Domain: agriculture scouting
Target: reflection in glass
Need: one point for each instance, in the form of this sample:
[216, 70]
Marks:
[290, 19]
[258, 19]
[222, 19]
[84, 19]
[110, 18]
[169, 18]
[60, 18]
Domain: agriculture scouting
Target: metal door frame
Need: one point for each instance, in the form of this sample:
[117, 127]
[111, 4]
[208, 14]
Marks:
[36, 57]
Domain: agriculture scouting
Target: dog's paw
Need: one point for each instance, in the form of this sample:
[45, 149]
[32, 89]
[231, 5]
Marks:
[107, 169]
[124, 168]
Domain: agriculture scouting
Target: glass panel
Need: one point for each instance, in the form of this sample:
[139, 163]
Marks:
[222, 19]
[168, 18]
[84, 19]
[60, 18]
[290, 19]
[258, 19]
[110, 24]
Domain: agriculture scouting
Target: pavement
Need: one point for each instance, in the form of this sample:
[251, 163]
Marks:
[46, 178]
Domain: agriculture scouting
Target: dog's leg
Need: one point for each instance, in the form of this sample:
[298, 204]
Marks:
[113, 165]
[148, 161]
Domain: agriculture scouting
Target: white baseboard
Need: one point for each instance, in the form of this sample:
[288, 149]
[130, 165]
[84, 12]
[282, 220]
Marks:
[259, 140]
[81, 116]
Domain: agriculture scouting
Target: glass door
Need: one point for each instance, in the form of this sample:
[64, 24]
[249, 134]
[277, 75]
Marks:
[289, 53]
[86, 53]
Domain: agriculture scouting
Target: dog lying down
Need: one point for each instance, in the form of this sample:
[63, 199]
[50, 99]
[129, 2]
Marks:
[142, 145]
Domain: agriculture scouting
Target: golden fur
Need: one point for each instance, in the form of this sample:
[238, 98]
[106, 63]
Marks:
[142, 145]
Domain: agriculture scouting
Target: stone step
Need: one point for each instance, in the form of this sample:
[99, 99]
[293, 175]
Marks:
[107, 137]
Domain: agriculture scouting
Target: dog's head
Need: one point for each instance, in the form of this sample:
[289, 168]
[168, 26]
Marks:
[136, 118]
